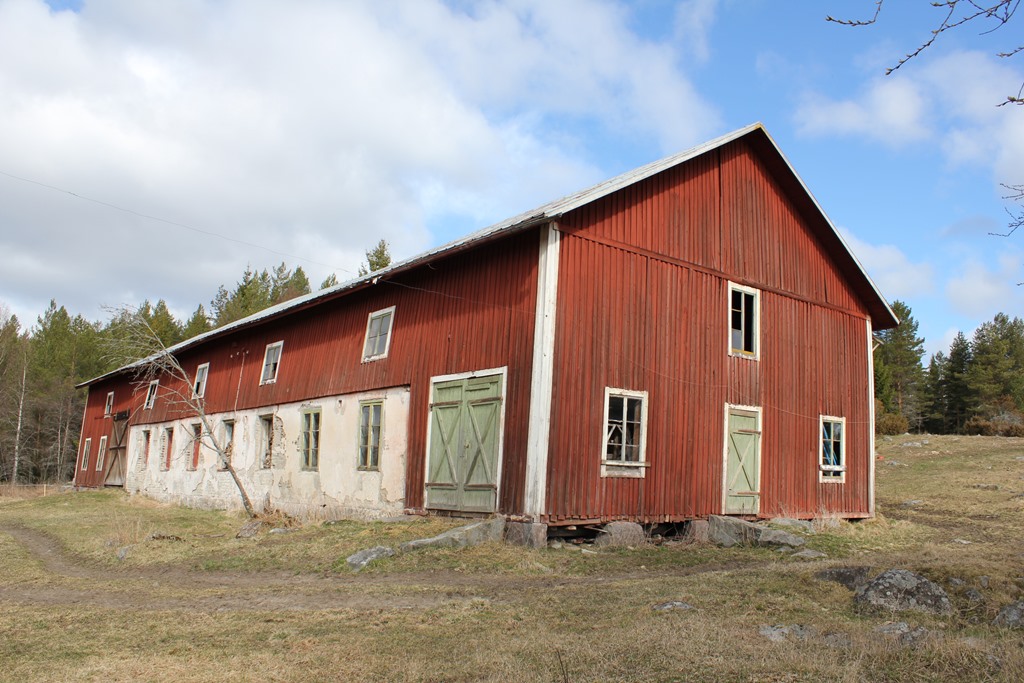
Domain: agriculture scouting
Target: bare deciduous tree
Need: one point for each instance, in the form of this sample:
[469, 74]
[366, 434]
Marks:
[137, 347]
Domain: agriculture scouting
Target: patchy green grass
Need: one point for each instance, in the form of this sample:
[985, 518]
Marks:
[285, 607]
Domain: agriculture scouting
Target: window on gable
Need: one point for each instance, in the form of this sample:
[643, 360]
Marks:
[625, 433]
[832, 464]
[85, 454]
[199, 387]
[378, 334]
[101, 453]
[743, 321]
[151, 394]
[266, 441]
[197, 444]
[271, 362]
[370, 414]
[311, 440]
[109, 405]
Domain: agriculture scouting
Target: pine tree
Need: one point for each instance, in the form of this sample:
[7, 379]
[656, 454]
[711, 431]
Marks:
[330, 281]
[934, 396]
[197, 324]
[995, 377]
[955, 389]
[377, 258]
[901, 351]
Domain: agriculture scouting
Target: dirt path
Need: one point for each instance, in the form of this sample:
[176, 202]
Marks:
[179, 589]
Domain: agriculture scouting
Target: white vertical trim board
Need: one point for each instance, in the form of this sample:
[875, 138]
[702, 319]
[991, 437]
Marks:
[871, 418]
[542, 375]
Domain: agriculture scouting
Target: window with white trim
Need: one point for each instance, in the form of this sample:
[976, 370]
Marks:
[199, 387]
[85, 454]
[744, 321]
[266, 441]
[151, 394]
[370, 419]
[832, 461]
[310, 440]
[168, 448]
[146, 437]
[109, 405]
[378, 334]
[271, 362]
[101, 453]
[625, 433]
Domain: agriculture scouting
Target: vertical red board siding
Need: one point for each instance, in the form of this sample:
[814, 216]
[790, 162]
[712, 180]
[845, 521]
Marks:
[470, 311]
[643, 305]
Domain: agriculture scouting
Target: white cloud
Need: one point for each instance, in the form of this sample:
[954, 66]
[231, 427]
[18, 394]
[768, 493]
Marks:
[693, 22]
[893, 111]
[892, 271]
[980, 290]
[313, 128]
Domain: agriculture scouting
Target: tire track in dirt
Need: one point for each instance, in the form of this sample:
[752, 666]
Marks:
[172, 588]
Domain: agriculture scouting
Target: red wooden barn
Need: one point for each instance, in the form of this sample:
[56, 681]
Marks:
[690, 338]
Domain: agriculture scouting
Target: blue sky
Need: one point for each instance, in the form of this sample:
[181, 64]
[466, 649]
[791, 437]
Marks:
[306, 130]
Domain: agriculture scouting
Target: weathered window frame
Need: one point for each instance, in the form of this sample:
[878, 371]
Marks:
[199, 385]
[623, 466]
[369, 445]
[229, 443]
[745, 321]
[147, 437]
[197, 445]
[831, 465]
[309, 440]
[272, 362]
[101, 454]
[85, 454]
[372, 342]
[151, 395]
[108, 407]
[265, 425]
[165, 463]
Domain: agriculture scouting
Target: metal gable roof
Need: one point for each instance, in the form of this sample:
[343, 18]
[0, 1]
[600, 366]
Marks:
[881, 311]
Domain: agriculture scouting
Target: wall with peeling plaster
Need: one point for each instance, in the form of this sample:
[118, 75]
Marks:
[336, 489]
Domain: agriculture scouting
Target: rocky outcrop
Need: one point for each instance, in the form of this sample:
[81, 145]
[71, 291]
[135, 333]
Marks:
[899, 590]
[730, 531]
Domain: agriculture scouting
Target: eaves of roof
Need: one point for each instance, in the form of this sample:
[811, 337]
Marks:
[881, 313]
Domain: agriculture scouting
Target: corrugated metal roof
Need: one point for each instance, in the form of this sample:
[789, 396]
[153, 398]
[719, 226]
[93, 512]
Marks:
[523, 221]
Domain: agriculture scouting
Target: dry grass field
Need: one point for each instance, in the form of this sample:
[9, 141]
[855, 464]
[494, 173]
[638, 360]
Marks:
[100, 586]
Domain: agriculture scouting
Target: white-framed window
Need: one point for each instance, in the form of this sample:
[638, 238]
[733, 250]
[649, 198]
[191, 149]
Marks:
[371, 415]
[109, 406]
[199, 387]
[310, 440]
[744, 321]
[266, 441]
[378, 334]
[85, 454]
[101, 453]
[624, 444]
[151, 394]
[228, 442]
[832, 458]
[271, 362]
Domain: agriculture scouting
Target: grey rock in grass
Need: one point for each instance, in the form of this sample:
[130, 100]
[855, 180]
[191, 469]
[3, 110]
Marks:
[1011, 616]
[249, 529]
[894, 628]
[986, 487]
[160, 536]
[911, 444]
[851, 577]
[672, 605]
[122, 552]
[696, 531]
[802, 524]
[899, 590]
[364, 557]
[984, 581]
[489, 530]
[621, 534]
[911, 503]
[730, 531]
[780, 632]
[527, 534]
[281, 530]
[901, 630]
[809, 554]
[838, 640]
[973, 595]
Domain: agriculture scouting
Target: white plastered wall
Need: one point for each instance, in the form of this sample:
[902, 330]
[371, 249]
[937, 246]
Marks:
[336, 489]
